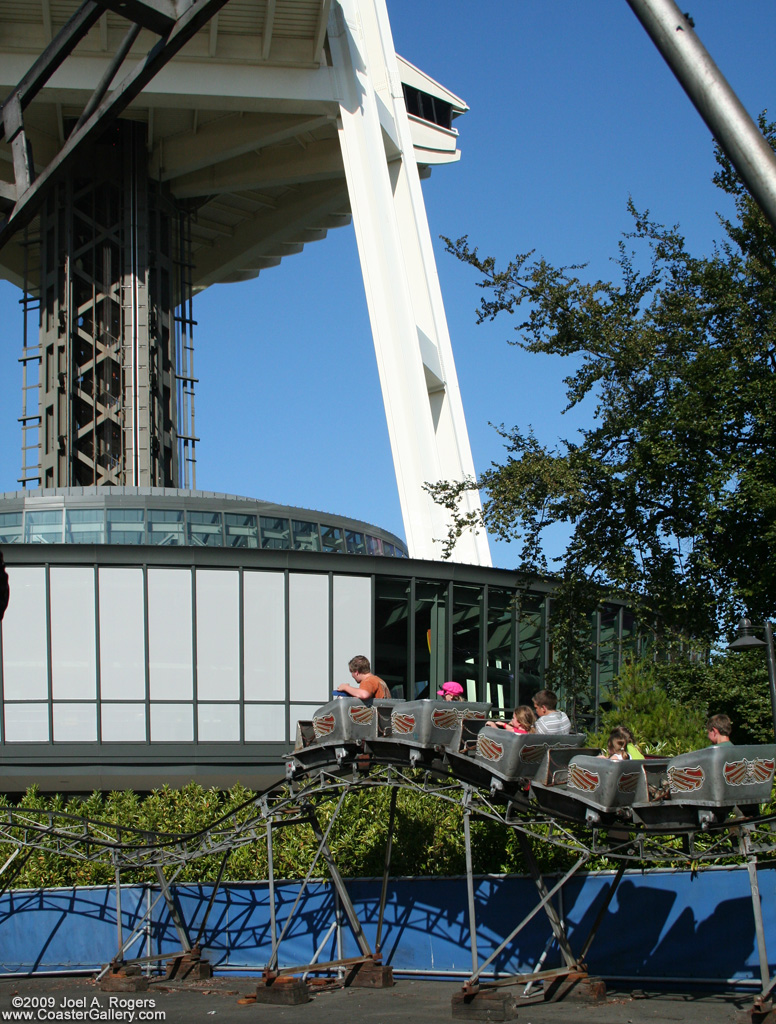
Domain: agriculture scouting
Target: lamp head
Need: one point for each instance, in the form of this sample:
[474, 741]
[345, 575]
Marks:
[746, 640]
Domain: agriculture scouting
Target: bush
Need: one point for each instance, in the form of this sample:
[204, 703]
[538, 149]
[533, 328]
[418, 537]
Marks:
[428, 837]
[733, 684]
[661, 722]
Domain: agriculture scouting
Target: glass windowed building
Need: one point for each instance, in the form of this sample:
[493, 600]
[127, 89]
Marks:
[157, 635]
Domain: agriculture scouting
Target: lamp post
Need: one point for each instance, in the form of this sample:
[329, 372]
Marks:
[747, 641]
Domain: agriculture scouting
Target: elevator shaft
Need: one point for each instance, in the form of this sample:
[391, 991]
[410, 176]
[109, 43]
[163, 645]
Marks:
[110, 281]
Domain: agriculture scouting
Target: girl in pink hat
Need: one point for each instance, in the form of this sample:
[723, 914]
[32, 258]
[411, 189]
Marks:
[451, 691]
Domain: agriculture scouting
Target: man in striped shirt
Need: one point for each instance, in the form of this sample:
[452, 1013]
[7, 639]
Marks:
[548, 719]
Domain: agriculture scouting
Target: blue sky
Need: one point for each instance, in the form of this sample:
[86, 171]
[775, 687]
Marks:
[572, 110]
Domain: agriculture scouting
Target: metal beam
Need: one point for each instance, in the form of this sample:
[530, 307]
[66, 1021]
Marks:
[196, 15]
[54, 55]
[713, 98]
[157, 15]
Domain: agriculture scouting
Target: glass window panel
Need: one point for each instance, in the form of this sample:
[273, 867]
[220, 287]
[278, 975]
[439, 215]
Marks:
[73, 644]
[218, 634]
[10, 527]
[25, 644]
[352, 623]
[75, 723]
[43, 527]
[531, 637]
[265, 723]
[500, 669]
[218, 722]
[305, 536]
[170, 656]
[308, 629]
[172, 723]
[165, 527]
[126, 525]
[241, 531]
[84, 526]
[264, 627]
[205, 529]
[467, 605]
[389, 549]
[391, 640]
[630, 638]
[26, 723]
[608, 650]
[374, 546]
[122, 634]
[332, 538]
[275, 533]
[355, 543]
[430, 637]
[123, 723]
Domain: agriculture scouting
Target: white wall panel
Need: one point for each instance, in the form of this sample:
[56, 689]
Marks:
[26, 723]
[73, 644]
[123, 723]
[218, 722]
[75, 723]
[25, 646]
[172, 723]
[352, 623]
[122, 635]
[308, 634]
[265, 722]
[264, 625]
[218, 635]
[171, 662]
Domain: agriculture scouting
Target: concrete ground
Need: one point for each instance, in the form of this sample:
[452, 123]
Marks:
[224, 1001]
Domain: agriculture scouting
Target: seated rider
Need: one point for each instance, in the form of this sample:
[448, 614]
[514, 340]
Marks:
[718, 729]
[451, 691]
[365, 684]
[617, 747]
[548, 719]
[633, 751]
[522, 722]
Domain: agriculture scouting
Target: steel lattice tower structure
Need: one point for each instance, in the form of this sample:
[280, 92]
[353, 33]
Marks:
[108, 287]
[154, 147]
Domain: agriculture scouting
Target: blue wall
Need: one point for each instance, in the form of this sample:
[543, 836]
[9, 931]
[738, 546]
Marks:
[660, 924]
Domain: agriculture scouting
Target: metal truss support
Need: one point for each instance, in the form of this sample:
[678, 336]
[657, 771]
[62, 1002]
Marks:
[29, 192]
[472, 985]
[339, 884]
[422, 399]
[107, 332]
[284, 805]
[271, 970]
[175, 914]
[467, 835]
[142, 927]
[557, 925]
[763, 1003]
[213, 894]
[31, 376]
[386, 871]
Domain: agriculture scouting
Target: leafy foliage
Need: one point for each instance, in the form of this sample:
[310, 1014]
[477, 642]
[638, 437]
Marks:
[733, 684]
[677, 358]
[428, 837]
[662, 722]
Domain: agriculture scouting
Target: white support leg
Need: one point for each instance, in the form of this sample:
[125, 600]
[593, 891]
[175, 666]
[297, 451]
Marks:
[422, 400]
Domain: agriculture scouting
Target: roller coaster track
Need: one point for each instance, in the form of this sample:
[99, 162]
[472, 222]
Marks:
[297, 799]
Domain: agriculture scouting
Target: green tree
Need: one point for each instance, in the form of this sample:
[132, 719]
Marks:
[670, 495]
[661, 721]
